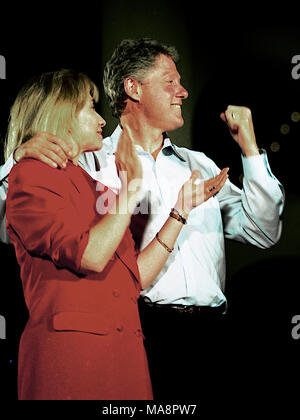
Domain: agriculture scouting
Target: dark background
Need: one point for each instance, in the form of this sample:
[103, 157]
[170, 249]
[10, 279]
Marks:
[230, 54]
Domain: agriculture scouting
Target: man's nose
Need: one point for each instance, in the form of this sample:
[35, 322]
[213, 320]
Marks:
[182, 92]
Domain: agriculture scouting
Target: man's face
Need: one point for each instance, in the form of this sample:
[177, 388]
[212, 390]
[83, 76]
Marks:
[162, 95]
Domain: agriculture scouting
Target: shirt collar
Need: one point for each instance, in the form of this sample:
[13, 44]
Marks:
[168, 148]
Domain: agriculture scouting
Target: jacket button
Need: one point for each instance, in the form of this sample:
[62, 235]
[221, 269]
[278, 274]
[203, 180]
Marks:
[120, 328]
[138, 333]
[116, 293]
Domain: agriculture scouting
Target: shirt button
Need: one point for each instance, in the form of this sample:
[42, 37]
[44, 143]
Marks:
[116, 293]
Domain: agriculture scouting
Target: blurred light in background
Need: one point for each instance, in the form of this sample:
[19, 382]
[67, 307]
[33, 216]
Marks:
[295, 117]
[284, 129]
[275, 146]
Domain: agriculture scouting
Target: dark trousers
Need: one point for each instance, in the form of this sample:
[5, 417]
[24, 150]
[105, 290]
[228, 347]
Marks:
[230, 362]
[187, 353]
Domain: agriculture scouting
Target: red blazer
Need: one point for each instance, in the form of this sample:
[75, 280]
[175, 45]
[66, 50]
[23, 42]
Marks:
[83, 338]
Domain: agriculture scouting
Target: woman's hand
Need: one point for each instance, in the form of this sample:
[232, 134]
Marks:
[128, 164]
[195, 191]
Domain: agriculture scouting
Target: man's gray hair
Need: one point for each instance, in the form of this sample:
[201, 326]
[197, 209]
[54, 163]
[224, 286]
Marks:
[132, 58]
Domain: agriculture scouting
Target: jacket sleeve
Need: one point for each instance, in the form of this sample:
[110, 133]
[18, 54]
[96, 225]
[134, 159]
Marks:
[86, 160]
[4, 172]
[253, 214]
[41, 215]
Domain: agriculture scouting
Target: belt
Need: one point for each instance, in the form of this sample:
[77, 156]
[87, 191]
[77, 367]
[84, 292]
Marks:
[183, 309]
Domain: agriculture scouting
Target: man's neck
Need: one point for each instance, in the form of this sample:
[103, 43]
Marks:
[149, 138]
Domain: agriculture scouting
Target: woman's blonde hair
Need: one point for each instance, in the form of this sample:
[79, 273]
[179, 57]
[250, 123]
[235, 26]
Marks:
[49, 102]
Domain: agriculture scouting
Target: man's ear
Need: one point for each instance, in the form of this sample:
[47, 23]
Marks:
[132, 88]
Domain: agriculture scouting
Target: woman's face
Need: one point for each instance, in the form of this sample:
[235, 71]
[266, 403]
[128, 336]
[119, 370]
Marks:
[89, 125]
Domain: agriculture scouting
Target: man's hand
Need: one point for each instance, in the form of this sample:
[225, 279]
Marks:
[239, 121]
[47, 148]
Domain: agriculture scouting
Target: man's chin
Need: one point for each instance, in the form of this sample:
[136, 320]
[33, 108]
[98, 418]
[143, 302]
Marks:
[175, 126]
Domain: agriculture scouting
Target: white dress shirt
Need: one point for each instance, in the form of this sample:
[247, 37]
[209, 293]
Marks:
[194, 273]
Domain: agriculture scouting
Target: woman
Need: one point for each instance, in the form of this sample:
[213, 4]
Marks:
[80, 272]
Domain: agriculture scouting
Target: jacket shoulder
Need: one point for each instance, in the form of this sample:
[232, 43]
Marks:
[35, 173]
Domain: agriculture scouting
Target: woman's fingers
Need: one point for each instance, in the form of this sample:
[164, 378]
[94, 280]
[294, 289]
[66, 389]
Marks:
[214, 185]
[128, 161]
[206, 189]
[196, 191]
[221, 179]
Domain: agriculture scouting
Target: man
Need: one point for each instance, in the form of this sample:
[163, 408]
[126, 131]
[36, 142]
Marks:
[182, 313]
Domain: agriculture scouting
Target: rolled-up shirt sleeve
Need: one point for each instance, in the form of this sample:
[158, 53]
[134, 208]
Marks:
[253, 214]
[42, 217]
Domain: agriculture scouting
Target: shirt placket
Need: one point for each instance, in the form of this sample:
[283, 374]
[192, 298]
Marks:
[158, 205]
[163, 182]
